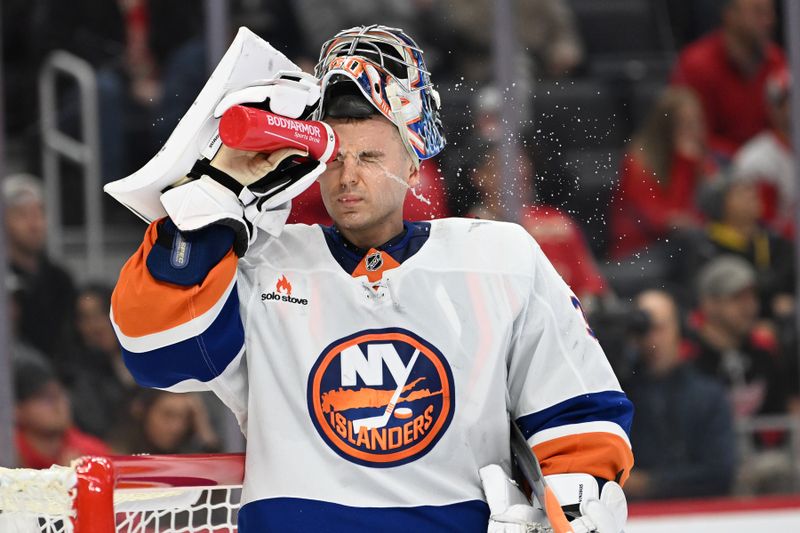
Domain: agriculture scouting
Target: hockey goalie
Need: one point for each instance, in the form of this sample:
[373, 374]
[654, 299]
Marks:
[373, 365]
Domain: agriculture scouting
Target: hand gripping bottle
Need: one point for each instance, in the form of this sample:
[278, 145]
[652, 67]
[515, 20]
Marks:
[256, 130]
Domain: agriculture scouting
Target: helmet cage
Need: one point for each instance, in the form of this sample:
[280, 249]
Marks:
[387, 67]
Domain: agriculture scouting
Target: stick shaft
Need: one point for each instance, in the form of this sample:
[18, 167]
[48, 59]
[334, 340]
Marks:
[529, 466]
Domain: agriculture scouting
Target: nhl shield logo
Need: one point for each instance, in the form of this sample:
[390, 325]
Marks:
[373, 262]
[381, 398]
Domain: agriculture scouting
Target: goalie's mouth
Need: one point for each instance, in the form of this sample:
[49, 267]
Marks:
[349, 199]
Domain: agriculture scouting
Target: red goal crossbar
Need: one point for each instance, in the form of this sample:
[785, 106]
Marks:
[127, 494]
[100, 477]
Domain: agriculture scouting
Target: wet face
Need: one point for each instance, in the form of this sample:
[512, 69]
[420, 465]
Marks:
[26, 226]
[364, 189]
[751, 21]
[168, 421]
[47, 412]
[94, 325]
[660, 345]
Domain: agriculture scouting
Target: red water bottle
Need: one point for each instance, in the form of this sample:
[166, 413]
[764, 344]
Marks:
[256, 130]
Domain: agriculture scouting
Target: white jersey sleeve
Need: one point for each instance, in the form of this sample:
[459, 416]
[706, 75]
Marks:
[177, 310]
[563, 392]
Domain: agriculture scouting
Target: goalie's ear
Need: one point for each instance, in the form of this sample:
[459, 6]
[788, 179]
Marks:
[414, 177]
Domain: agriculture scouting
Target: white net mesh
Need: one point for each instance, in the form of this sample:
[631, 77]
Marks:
[37, 501]
[208, 510]
[42, 501]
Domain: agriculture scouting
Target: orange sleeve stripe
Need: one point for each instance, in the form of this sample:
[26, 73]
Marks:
[602, 455]
[143, 305]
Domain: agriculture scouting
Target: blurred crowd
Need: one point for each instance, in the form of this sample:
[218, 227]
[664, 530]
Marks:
[653, 166]
[73, 393]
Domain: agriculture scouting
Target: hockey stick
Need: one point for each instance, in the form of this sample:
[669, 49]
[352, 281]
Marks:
[381, 420]
[529, 466]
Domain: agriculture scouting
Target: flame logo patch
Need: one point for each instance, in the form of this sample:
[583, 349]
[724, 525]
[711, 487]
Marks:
[283, 286]
[283, 293]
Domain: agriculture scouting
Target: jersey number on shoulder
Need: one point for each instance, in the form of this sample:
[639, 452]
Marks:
[577, 305]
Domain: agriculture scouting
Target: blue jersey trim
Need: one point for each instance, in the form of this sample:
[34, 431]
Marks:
[186, 257]
[400, 247]
[296, 515]
[203, 357]
[610, 406]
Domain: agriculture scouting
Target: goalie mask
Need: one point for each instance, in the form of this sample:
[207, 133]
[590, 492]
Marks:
[386, 67]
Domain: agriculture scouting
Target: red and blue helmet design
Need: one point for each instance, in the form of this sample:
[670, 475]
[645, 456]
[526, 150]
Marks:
[387, 67]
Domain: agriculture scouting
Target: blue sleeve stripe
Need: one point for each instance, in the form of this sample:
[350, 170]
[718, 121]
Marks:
[606, 406]
[202, 357]
[176, 334]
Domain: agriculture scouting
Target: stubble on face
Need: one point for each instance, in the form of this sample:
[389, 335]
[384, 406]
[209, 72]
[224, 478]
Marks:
[363, 191]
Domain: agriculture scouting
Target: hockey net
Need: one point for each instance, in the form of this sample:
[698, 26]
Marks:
[126, 494]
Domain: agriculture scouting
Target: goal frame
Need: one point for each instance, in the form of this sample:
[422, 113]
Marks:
[100, 477]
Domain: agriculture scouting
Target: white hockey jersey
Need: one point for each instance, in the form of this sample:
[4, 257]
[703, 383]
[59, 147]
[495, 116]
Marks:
[372, 385]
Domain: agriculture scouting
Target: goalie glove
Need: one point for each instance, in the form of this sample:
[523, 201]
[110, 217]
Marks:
[509, 509]
[253, 194]
[597, 511]
[212, 196]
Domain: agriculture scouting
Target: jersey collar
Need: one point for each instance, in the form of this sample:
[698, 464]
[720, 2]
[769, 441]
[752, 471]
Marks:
[373, 262]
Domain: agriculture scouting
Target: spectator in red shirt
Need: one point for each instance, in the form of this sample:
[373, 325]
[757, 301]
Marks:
[665, 162]
[45, 435]
[729, 68]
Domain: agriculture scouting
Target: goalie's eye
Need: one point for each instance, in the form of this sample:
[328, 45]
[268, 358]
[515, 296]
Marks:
[365, 158]
[368, 157]
[337, 162]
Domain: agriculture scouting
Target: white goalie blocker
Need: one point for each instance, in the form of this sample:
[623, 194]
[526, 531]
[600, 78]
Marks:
[250, 61]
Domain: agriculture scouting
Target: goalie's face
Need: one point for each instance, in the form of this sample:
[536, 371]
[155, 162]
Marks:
[364, 188]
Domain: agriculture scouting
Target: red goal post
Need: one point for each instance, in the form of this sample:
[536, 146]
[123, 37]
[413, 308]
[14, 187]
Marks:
[125, 494]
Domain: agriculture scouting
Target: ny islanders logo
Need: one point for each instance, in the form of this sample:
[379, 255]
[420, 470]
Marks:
[381, 398]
